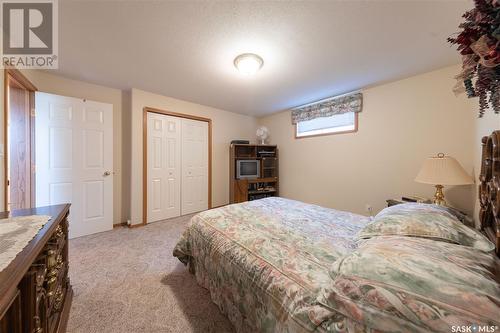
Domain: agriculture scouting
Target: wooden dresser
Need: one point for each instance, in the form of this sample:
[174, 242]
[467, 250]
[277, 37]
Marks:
[35, 293]
[267, 185]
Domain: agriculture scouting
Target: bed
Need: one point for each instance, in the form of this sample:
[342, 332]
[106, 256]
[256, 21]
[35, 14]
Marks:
[278, 265]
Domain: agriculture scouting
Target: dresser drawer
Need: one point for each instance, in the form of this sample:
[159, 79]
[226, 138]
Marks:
[44, 288]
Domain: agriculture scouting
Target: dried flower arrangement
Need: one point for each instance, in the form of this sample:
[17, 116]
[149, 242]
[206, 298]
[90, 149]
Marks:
[479, 45]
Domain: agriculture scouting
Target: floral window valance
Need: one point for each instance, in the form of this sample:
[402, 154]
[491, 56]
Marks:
[329, 107]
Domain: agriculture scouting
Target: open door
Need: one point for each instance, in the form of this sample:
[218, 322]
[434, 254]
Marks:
[19, 141]
[74, 160]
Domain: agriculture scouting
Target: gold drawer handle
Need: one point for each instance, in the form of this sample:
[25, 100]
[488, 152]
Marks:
[59, 262]
[51, 259]
[51, 285]
[58, 300]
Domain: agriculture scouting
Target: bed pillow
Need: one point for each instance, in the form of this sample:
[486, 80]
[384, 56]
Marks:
[406, 284]
[427, 221]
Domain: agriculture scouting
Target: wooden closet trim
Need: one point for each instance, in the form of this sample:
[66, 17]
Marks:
[15, 78]
[145, 111]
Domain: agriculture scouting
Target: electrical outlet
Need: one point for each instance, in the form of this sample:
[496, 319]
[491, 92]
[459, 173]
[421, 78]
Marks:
[369, 209]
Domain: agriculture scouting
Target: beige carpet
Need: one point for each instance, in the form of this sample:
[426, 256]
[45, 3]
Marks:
[127, 280]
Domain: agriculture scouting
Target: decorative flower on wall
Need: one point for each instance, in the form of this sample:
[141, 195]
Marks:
[479, 45]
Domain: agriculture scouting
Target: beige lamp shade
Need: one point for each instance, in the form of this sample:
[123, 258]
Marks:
[443, 170]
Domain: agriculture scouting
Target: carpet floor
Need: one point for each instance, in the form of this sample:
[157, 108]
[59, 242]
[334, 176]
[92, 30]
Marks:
[126, 280]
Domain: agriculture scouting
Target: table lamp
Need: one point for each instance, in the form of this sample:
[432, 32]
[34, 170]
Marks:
[442, 170]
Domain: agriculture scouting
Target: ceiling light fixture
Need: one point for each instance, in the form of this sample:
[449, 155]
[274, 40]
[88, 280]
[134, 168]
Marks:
[248, 63]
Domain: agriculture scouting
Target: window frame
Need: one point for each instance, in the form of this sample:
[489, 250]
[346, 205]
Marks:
[332, 133]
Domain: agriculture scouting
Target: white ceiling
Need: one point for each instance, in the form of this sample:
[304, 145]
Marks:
[311, 50]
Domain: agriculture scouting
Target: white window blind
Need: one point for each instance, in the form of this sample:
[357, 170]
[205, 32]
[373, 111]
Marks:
[336, 123]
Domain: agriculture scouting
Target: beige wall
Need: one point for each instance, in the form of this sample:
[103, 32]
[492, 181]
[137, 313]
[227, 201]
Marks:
[226, 126]
[55, 84]
[126, 152]
[127, 159]
[401, 124]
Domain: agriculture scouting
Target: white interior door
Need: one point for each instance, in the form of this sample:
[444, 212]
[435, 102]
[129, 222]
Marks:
[164, 163]
[74, 160]
[194, 166]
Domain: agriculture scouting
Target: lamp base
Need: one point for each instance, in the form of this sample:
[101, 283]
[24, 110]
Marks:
[439, 196]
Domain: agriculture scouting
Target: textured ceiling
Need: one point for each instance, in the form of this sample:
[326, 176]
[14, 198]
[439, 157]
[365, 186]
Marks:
[311, 50]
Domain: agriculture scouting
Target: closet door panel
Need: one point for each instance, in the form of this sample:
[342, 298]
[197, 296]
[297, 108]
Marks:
[164, 163]
[194, 190]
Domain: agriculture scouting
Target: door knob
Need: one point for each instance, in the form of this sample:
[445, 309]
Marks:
[106, 173]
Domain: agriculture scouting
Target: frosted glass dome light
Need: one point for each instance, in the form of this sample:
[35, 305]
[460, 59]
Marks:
[248, 63]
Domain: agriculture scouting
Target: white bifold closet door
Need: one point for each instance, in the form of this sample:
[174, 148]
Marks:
[194, 187]
[164, 167]
[177, 165]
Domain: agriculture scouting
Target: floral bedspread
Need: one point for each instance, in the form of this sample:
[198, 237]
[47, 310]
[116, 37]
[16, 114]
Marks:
[412, 284]
[266, 261]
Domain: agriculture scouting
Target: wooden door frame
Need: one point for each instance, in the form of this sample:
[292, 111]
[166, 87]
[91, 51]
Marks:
[145, 111]
[15, 77]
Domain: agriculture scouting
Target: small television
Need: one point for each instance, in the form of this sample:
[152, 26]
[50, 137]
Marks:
[247, 169]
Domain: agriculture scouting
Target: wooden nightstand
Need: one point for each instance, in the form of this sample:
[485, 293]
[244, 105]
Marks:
[392, 202]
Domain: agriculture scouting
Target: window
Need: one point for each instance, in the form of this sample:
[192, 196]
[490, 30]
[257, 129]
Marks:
[329, 116]
[337, 123]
